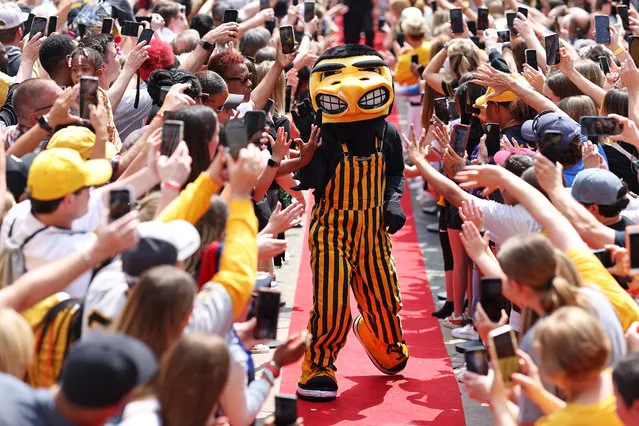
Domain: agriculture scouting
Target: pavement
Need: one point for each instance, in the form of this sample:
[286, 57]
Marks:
[475, 414]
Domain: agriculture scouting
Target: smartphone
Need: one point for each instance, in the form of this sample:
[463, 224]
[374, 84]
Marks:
[552, 49]
[143, 19]
[172, 135]
[268, 106]
[82, 30]
[491, 297]
[599, 126]
[119, 202]
[255, 121]
[381, 21]
[107, 26]
[285, 410]
[510, 19]
[503, 347]
[634, 49]
[632, 244]
[476, 41]
[456, 21]
[604, 65]
[459, 138]
[503, 36]
[309, 10]
[477, 361]
[265, 4]
[523, 11]
[88, 95]
[604, 257]
[482, 18]
[401, 38]
[414, 59]
[287, 38]
[230, 15]
[131, 28]
[281, 9]
[288, 101]
[28, 23]
[492, 138]
[270, 26]
[236, 136]
[146, 35]
[39, 26]
[267, 312]
[452, 111]
[602, 29]
[441, 109]
[549, 144]
[622, 11]
[473, 92]
[53, 25]
[472, 27]
[531, 58]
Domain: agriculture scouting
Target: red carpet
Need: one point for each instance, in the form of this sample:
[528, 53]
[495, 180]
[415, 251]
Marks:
[426, 393]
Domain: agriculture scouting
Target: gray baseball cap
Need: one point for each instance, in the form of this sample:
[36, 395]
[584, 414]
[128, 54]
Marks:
[596, 186]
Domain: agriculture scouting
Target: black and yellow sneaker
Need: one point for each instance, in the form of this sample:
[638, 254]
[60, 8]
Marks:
[388, 358]
[317, 384]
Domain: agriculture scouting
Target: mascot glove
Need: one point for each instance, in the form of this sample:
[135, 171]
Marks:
[394, 216]
[303, 123]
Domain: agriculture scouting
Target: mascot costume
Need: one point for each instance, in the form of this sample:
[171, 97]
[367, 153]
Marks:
[358, 177]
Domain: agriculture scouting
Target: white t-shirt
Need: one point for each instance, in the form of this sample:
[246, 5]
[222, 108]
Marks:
[54, 243]
[142, 413]
[504, 221]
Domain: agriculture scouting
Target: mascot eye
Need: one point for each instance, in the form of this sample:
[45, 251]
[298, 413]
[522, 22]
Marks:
[328, 74]
[375, 70]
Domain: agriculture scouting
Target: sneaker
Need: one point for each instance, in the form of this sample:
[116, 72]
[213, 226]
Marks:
[433, 227]
[260, 349]
[319, 386]
[430, 210]
[466, 332]
[454, 322]
[388, 358]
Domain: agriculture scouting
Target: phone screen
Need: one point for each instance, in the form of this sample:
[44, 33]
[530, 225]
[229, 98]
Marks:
[477, 361]
[172, 135]
[309, 11]
[604, 257]
[268, 106]
[401, 38]
[523, 11]
[472, 27]
[255, 122]
[510, 19]
[552, 49]
[381, 21]
[28, 23]
[504, 345]
[143, 19]
[491, 297]
[130, 28]
[549, 144]
[287, 38]
[460, 138]
[599, 126]
[119, 203]
[53, 25]
[633, 246]
[289, 98]
[622, 11]
[268, 308]
[473, 92]
[236, 137]
[285, 410]
[492, 138]
[107, 26]
[503, 36]
[604, 64]
[531, 58]
[39, 26]
[602, 30]
[441, 109]
[634, 49]
[146, 35]
[456, 21]
[452, 111]
[230, 15]
[482, 18]
[88, 95]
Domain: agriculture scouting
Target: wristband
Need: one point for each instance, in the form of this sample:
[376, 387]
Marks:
[618, 51]
[268, 375]
[160, 115]
[171, 185]
[273, 368]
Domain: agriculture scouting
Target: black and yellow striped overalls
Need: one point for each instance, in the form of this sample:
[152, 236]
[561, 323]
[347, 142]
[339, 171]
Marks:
[350, 246]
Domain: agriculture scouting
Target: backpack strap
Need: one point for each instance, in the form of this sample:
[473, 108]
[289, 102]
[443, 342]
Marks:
[29, 238]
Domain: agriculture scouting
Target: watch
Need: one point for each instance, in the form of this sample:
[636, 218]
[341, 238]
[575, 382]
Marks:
[272, 163]
[44, 123]
[207, 46]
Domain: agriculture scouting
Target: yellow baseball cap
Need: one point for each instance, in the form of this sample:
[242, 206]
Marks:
[79, 139]
[506, 96]
[57, 172]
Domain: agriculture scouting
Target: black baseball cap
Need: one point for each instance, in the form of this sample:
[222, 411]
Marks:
[102, 369]
[18, 172]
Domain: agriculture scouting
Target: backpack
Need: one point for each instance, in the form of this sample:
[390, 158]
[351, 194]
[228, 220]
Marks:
[12, 262]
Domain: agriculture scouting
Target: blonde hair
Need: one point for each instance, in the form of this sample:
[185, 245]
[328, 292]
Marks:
[463, 56]
[212, 227]
[192, 375]
[17, 343]
[571, 342]
[279, 92]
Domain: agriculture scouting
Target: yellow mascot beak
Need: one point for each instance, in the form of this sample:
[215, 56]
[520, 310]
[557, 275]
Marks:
[351, 89]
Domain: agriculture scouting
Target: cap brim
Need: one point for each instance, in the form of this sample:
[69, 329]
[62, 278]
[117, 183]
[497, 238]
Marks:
[481, 100]
[99, 171]
[527, 131]
[233, 101]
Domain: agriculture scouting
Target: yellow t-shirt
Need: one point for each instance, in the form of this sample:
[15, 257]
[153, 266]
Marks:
[599, 414]
[592, 271]
[5, 82]
[403, 75]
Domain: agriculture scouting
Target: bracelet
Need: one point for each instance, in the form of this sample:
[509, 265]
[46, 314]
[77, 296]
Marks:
[273, 368]
[171, 185]
[618, 51]
[268, 375]
[160, 115]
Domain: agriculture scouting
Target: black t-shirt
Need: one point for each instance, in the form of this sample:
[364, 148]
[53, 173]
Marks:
[621, 225]
[620, 165]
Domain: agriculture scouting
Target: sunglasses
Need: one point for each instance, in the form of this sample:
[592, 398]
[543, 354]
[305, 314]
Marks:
[243, 79]
[43, 108]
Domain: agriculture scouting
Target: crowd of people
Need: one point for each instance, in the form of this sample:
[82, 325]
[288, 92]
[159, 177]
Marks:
[499, 95]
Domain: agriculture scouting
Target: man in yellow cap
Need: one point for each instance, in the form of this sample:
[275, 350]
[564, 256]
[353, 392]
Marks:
[60, 214]
[83, 140]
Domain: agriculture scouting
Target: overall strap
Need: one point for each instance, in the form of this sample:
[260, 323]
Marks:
[380, 141]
